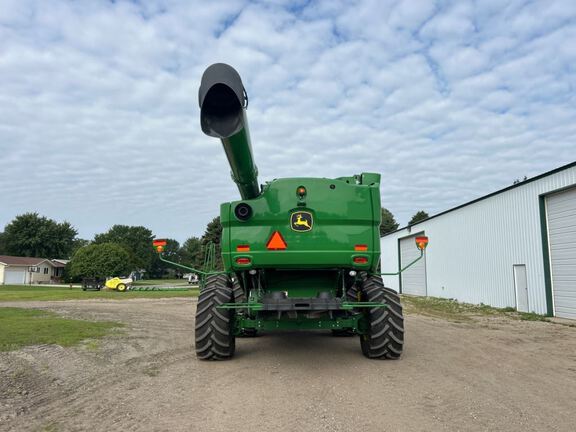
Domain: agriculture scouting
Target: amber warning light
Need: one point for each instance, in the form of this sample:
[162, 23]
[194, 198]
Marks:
[159, 245]
[421, 242]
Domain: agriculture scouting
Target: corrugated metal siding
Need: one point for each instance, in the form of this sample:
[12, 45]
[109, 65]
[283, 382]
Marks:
[561, 209]
[413, 281]
[389, 263]
[473, 249]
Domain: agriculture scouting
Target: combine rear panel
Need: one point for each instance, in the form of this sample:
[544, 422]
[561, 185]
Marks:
[333, 224]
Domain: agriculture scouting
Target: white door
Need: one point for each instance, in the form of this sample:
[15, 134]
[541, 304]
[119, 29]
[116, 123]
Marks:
[521, 285]
[414, 278]
[14, 276]
[561, 209]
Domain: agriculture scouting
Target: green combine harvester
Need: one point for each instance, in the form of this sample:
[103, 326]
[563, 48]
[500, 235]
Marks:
[298, 253]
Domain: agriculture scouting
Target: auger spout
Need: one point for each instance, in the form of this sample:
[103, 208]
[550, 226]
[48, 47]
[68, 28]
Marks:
[223, 103]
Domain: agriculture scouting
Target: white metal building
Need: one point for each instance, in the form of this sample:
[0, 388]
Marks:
[515, 247]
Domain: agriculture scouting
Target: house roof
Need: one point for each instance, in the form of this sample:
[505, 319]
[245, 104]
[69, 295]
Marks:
[517, 185]
[21, 261]
[59, 262]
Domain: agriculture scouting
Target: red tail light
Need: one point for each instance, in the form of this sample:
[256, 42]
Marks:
[360, 260]
[243, 261]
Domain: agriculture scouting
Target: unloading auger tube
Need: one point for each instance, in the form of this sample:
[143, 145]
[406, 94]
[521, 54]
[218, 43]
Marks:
[223, 102]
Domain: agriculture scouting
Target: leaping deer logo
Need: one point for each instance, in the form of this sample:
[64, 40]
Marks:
[301, 221]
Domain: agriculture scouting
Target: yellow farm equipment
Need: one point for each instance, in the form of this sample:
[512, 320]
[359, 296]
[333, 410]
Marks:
[119, 284]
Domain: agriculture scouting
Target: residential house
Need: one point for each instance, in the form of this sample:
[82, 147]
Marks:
[25, 270]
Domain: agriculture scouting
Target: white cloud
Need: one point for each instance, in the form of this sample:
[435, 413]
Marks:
[449, 101]
[453, 23]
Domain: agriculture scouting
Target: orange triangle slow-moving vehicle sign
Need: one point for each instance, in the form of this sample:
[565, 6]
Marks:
[276, 242]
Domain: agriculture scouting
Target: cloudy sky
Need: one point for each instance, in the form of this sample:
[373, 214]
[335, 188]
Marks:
[99, 121]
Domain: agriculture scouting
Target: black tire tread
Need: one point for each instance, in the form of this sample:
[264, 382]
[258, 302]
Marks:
[351, 296]
[385, 338]
[240, 297]
[239, 294]
[214, 335]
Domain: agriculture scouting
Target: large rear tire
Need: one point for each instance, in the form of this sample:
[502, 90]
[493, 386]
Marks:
[240, 297]
[351, 296]
[385, 336]
[214, 331]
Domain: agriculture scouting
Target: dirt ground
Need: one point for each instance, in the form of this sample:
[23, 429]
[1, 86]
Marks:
[493, 374]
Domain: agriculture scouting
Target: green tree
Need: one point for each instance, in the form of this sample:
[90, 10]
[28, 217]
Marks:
[172, 250]
[191, 252]
[418, 217]
[100, 261]
[78, 243]
[31, 235]
[172, 253]
[137, 240]
[388, 223]
[2, 248]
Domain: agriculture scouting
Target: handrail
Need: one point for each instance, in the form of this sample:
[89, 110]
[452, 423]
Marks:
[206, 273]
[409, 265]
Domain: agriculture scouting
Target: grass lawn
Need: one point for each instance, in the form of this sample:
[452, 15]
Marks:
[455, 311]
[43, 293]
[24, 327]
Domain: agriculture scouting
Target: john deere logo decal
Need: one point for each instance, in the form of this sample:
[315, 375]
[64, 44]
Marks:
[301, 221]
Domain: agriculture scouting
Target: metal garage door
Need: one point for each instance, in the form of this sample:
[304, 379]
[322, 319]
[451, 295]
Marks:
[414, 278]
[14, 275]
[561, 209]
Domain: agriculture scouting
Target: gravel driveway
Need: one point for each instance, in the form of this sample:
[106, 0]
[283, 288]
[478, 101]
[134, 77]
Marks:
[487, 375]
